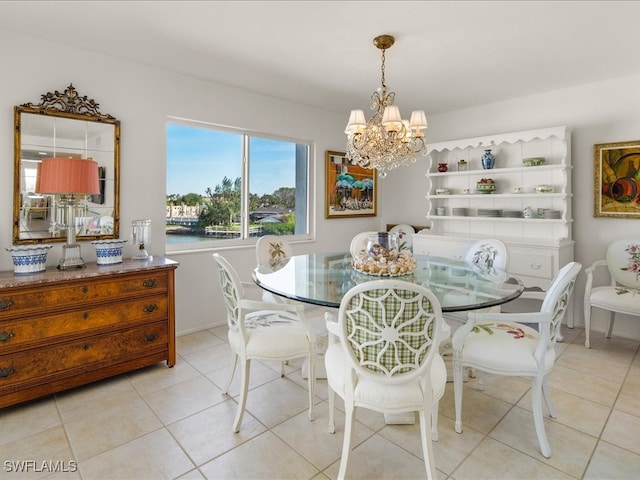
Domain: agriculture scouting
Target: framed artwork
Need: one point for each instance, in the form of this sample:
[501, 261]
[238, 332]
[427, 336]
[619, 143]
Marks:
[350, 190]
[617, 180]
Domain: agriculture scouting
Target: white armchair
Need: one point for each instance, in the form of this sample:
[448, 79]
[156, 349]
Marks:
[622, 295]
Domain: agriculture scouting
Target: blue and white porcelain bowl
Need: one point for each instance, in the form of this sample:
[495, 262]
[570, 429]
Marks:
[29, 258]
[109, 251]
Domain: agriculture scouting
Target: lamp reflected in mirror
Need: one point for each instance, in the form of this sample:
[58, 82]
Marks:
[71, 179]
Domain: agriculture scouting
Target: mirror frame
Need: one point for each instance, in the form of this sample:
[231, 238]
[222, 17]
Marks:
[68, 104]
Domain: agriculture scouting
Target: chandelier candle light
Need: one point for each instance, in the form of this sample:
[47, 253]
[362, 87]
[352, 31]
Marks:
[386, 141]
[69, 178]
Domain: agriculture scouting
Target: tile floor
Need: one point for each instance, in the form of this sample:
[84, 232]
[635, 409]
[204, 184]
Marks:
[160, 423]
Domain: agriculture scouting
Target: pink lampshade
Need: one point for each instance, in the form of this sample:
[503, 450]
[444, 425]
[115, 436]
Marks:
[63, 176]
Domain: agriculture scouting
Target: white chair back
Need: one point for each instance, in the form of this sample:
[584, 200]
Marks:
[405, 236]
[489, 255]
[272, 250]
[359, 243]
[623, 261]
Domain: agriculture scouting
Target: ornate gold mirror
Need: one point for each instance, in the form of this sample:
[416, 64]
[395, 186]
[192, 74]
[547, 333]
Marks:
[64, 125]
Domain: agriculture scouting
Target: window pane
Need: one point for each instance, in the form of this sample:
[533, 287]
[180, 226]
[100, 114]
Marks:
[205, 176]
[272, 187]
[204, 172]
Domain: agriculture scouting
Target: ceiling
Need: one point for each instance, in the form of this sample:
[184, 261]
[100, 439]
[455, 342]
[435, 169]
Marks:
[448, 55]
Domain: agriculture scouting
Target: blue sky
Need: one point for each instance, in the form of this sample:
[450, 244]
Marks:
[198, 158]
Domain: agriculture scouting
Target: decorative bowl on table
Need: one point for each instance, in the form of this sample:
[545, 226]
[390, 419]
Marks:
[382, 257]
[29, 258]
[533, 161]
[486, 185]
[543, 188]
[109, 252]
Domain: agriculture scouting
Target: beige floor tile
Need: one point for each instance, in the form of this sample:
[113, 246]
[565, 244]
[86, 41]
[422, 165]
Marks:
[193, 342]
[378, 458]
[86, 400]
[191, 475]
[114, 424]
[480, 411]
[263, 457]
[183, 399]
[155, 456]
[570, 449]
[313, 440]
[48, 445]
[623, 430]
[159, 376]
[28, 419]
[208, 434]
[210, 358]
[509, 389]
[574, 411]
[495, 460]
[601, 390]
[603, 362]
[611, 462]
[277, 401]
[259, 374]
[629, 394]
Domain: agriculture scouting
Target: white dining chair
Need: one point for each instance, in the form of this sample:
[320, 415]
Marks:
[622, 294]
[263, 331]
[274, 251]
[383, 356]
[405, 236]
[359, 243]
[505, 344]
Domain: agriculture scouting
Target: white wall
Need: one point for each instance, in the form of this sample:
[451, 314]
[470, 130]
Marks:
[598, 113]
[142, 97]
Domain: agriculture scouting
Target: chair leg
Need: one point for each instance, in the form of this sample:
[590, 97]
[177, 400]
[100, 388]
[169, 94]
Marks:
[332, 409]
[312, 385]
[546, 394]
[457, 388]
[587, 323]
[349, 421]
[232, 371]
[434, 421]
[427, 446]
[538, 419]
[242, 401]
[611, 320]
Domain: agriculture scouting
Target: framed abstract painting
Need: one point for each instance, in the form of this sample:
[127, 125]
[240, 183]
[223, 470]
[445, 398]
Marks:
[617, 179]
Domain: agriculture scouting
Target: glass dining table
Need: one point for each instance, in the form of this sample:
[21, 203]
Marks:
[324, 278]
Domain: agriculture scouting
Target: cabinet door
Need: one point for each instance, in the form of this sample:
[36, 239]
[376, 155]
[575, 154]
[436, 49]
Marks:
[440, 246]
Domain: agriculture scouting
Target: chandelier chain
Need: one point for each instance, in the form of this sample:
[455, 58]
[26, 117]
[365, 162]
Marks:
[382, 68]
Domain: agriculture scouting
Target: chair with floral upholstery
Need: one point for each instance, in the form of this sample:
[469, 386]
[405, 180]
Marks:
[263, 331]
[274, 251]
[383, 356]
[622, 294]
[503, 344]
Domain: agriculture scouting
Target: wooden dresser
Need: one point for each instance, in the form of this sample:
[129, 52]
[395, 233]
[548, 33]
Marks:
[61, 329]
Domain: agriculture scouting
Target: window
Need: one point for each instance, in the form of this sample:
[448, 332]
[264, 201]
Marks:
[226, 185]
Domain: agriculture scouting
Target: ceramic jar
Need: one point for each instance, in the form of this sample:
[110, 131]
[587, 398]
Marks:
[488, 160]
[443, 167]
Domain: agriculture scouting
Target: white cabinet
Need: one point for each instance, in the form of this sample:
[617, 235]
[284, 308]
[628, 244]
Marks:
[538, 246]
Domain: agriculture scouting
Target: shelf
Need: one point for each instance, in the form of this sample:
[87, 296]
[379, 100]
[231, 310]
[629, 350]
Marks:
[498, 171]
[475, 196]
[497, 219]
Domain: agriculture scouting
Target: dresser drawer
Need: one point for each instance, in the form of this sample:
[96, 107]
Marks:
[55, 362]
[21, 302]
[74, 322]
[532, 264]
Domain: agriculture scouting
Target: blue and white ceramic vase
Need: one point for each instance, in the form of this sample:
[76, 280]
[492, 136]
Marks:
[488, 160]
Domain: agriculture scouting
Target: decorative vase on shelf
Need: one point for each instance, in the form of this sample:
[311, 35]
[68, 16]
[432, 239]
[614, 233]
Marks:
[443, 167]
[488, 160]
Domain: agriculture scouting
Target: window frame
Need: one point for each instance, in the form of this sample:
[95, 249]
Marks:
[247, 134]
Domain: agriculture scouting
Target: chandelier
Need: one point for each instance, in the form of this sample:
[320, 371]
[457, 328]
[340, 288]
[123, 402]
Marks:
[386, 141]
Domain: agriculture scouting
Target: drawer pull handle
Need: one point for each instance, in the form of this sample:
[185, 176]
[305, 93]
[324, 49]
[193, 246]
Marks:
[85, 315]
[535, 266]
[150, 308]
[4, 336]
[85, 346]
[150, 337]
[5, 304]
[85, 289]
[150, 283]
[6, 371]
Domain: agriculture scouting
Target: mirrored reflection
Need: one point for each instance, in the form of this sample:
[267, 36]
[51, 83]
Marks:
[43, 133]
